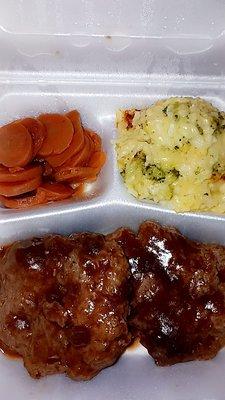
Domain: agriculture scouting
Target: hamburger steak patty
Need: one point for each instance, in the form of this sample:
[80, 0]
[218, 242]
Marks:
[63, 304]
[178, 302]
[72, 305]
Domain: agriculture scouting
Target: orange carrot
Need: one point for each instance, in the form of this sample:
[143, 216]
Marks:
[47, 169]
[24, 202]
[76, 144]
[78, 192]
[74, 117]
[81, 158]
[97, 160]
[59, 131]
[24, 174]
[56, 191]
[37, 131]
[75, 174]
[60, 159]
[65, 153]
[15, 169]
[16, 145]
[15, 189]
[95, 138]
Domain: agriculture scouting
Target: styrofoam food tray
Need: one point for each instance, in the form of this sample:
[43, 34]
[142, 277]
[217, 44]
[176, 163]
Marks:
[98, 56]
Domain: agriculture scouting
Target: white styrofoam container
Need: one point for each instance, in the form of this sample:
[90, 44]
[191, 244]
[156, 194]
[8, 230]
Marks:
[98, 56]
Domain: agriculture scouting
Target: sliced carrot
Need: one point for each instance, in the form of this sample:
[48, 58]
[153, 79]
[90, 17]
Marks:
[15, 189]
[95, 138]
[78, 191]
[15, 169]
[59, 159]
[24, 174]
[76, 145]
[37, 131]
[97, 160]
[47, 169]
[66, 153]
[56, 191]
[45, 192]
[24, 202]
[81, 158]
[89, 178]
[74, 117]
[59, 134]
[16, 145]
[75, 174]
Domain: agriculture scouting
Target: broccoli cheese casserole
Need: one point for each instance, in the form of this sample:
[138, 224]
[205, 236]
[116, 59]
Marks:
[173, 152]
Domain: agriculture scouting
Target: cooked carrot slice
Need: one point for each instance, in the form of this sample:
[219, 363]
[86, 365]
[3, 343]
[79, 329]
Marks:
[76, 145]
[95, 138]
[15, 189]
[46, 192]
[24, 202]
[78, 191]
[97, 160]
[15, 145]
[74, 117]
[89, 178]
[37, 131]
[59, 134]
[56, 191]
[60, 159]
[24, 174]
[47, 169]
[81, 158]
[15, 169]
[75, 174]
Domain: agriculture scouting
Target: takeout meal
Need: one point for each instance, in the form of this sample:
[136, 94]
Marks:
[73, 304]
[47, 158]
[173, 153]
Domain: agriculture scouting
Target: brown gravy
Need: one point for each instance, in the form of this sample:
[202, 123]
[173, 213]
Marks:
[8, 352]
[134, 345]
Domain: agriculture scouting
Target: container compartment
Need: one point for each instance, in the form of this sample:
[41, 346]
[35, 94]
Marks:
[98, 56]
[111, 206]
[22, 103]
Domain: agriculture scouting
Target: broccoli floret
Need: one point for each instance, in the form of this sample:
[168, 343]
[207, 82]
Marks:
[155, 173]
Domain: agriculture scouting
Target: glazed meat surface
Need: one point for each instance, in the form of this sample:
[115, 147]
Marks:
[67, 304]
[178, 303]
[64, 304]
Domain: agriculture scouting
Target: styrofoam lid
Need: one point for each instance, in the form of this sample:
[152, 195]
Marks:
[137, 18]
